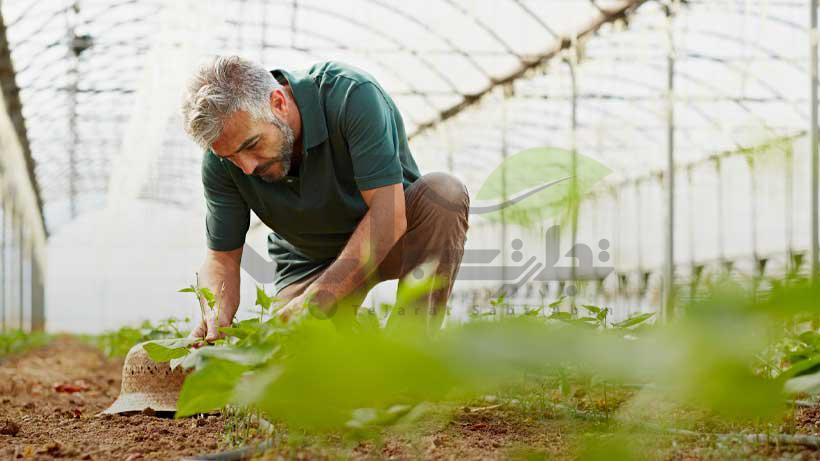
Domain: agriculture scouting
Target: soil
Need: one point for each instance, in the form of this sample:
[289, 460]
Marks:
[50, 397]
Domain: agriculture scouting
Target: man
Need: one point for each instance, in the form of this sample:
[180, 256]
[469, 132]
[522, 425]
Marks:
[322, 158]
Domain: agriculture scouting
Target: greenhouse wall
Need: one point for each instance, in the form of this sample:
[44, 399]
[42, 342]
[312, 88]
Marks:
[22, 238]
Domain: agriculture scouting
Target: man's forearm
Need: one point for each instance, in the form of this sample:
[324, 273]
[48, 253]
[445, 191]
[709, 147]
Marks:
[223, 267]
[374, 237]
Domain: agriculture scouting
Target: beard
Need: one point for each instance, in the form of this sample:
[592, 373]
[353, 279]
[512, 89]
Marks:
[285, 156]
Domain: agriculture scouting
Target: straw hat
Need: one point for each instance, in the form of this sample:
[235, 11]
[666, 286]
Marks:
[147, 384]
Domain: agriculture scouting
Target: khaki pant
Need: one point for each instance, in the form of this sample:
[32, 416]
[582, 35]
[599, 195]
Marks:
[437, 206]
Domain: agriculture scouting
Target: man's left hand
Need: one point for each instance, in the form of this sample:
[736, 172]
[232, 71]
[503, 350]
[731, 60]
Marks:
[295, 308]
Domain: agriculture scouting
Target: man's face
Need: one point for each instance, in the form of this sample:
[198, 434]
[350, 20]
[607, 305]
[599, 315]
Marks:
[258, 147]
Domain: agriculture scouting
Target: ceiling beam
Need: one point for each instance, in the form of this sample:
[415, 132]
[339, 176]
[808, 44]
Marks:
[604, 17]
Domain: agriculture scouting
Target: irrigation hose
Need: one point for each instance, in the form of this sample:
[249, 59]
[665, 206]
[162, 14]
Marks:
[234, 455]
[247, 452]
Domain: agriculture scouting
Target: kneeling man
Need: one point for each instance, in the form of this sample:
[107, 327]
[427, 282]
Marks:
[321, 156]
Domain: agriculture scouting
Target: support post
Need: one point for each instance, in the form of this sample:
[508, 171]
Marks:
[815, 245]
[669, 177]
[575, 199]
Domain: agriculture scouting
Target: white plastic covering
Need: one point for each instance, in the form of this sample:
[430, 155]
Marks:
[741, 92]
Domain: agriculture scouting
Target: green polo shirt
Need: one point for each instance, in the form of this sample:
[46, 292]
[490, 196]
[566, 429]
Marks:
[354, 139]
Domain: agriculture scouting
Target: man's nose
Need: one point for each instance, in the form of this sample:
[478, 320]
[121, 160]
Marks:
[247, 165]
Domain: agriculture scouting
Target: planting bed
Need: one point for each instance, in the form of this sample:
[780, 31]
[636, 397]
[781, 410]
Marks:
[50, 397]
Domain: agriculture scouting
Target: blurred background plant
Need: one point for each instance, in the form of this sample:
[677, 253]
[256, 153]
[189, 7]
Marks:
[733, 359]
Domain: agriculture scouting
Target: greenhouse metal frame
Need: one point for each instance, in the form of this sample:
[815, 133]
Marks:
[705, 111]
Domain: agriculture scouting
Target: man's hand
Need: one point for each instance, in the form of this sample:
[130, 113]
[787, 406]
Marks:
[293, 309]
[304, 304]
[381, 227]
[219, 316]
[208, 328]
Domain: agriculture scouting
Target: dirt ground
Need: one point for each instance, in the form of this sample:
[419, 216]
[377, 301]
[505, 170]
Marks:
[50, 397]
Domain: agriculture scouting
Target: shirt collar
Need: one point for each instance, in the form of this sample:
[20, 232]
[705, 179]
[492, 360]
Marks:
[314, 127]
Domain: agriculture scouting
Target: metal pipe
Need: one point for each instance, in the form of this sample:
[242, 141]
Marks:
[73, 72]
[504, 154]
[3, 242]
[575, 199]
[669, 177]
[815, 245]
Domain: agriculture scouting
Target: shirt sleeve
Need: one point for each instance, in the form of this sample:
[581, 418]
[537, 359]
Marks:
[227, 217]
[372, 138]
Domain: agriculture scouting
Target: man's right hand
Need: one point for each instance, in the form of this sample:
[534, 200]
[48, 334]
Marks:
[208, 327]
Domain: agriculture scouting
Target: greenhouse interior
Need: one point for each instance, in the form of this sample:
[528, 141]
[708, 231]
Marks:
[681, 138]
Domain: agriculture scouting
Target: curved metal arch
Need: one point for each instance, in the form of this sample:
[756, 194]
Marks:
[620, 117]
[640, 84]
[26, 11]
[434, 33]
[33, 84]
[37, 64]
[387, 69]
[537, 18]
[42, 26]
[703, 84]
[620, 142]
[85, 19]
[731, 67]
[763, 83]
[754, 45]
[335, 14]
[626, 8]
[740, 104]
[739, 11]
[711, 121]
[485, 28]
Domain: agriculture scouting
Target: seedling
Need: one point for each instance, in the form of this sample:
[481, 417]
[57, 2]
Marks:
[206, 298]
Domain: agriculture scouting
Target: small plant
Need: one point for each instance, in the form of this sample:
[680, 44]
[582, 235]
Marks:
[205, 297]
[17, 341]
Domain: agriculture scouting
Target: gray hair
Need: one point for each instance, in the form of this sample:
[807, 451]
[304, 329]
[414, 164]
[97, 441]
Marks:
[221, 87]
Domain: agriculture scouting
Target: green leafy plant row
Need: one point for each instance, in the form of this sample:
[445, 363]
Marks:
[16, 341]
[314, 374]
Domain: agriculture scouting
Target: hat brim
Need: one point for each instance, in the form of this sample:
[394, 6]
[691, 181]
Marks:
[140, 401]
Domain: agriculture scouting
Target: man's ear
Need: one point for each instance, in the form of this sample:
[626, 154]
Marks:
[279, 102]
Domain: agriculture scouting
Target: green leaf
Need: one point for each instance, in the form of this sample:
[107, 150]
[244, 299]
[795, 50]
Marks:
[633, 321]
[801, 367]
[236, 332]
[209, 388]
[262, 299]
[254, 356]
[558, 302]
[499, 300]
[208, 295]
[591, 308]
[534, 311]
[809, 384]
[187, 290]
[561, 316]
[164, 350]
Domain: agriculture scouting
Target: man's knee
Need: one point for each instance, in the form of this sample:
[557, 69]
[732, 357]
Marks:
[445, 191]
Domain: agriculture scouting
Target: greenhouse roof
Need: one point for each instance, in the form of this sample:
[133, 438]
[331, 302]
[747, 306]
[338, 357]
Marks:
[100, 80]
